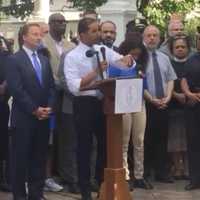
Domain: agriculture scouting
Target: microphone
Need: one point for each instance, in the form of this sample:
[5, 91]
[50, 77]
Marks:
[90, 53]
[103, 52]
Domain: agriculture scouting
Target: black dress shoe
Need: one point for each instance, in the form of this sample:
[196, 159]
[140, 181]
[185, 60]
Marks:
[192, 186]
[142, 183]
[130, 185]
[95, 187]
[86, 195]
[5, 187]
[164, 179]
[73, 188]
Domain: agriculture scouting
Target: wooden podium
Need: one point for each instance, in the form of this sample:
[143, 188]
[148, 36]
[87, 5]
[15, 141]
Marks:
[114, 187]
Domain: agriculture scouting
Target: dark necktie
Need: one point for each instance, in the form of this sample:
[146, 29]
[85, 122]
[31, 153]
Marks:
[157, 77]
[37, 67]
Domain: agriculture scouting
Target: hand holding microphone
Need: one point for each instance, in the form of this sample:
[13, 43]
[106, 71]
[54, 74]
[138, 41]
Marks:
[101, 65]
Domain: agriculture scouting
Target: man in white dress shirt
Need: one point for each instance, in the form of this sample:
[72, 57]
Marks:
[81, 71]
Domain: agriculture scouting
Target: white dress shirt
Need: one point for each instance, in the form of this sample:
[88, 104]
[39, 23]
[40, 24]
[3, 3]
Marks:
[77, 65]
[30, 52]
[59, 47]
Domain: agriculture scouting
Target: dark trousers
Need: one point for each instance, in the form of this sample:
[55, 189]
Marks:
[155, 146]
[4, 116]
[4, 143]
[89, 120]
[193, 140]
[55, 154]
[29, 154]
[67, 150]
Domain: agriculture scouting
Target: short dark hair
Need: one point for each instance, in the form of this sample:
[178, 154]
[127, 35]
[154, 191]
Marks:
[108, 21]
[89, 12]
[183, 37]
[134, 41]
[83, 25]
[53, 16]
[26, 28]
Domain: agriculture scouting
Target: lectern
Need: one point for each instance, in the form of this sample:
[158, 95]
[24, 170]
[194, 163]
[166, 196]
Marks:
[115, 186]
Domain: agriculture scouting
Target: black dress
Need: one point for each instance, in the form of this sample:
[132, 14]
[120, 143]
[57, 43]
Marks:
[177, 129]
[192, 75]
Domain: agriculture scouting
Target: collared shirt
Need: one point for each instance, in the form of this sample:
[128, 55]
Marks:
[167, 72]
[30, 52]
[77, 65]
[59, 47]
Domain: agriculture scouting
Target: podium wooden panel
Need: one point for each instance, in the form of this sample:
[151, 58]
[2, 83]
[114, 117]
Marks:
[115, 186]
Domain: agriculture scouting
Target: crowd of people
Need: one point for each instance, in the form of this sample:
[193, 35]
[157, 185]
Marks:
[56, 139]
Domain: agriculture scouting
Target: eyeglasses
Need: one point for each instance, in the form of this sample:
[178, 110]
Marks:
[59, 21]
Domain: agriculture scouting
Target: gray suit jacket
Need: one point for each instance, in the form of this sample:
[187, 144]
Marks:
[54, 55]
[67, 107]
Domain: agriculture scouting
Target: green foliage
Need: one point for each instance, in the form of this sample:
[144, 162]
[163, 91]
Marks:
[158, 12]
[22, 9]
[87, 4]
[191, 28]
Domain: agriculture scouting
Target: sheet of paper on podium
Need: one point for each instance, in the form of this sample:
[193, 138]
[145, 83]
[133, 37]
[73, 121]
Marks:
[128, 95]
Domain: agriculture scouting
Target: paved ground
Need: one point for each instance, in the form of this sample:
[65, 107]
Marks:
[160, 192]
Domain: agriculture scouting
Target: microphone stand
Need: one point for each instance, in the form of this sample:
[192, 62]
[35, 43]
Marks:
[99, 65]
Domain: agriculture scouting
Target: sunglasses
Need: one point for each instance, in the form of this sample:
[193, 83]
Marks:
[58, 21]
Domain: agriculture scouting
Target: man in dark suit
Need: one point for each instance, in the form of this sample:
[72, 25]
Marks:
[4, 116]
[31, 85]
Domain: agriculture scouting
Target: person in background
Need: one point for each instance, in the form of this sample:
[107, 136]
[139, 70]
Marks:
[136, 25]
[175, 27]
[135, 123]
[90, 14]
[108, 32]
[177, 143]
[190, 85]
[160, 81]
[56, 44]
[4, 117]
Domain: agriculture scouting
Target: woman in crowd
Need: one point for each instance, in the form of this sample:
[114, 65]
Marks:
[134, 123]
[190, 85]
[179, 48]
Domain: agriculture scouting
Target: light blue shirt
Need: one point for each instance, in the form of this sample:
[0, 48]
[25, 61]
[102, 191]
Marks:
[166, 69]
[30, 52]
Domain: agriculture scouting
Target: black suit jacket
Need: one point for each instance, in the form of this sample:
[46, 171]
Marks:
[25, 87]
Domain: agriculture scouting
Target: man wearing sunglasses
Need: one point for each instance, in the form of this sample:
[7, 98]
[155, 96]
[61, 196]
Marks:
[56, 44]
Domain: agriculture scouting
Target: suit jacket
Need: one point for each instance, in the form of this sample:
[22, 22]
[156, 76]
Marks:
[68, 96]
[27, 92]
[54, 55]
[3, 56]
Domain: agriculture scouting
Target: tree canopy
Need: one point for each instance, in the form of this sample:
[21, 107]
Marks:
[87, 4]
[158, 12]
[17, 8]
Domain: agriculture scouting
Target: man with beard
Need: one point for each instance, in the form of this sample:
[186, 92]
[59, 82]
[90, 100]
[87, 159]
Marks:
[108, 34]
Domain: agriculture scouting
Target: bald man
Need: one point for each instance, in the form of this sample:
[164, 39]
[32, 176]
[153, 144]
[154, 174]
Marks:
[175, 28]
[57, 45]
[160, 80]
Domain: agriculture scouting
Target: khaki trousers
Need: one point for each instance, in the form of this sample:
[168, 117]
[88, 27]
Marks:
[134, 123]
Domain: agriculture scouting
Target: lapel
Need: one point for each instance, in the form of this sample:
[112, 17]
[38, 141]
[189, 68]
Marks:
[50, 43]
[28, 64]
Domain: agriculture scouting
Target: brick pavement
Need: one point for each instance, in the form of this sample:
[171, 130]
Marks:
[160, 192]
